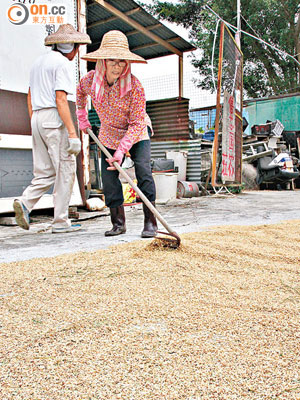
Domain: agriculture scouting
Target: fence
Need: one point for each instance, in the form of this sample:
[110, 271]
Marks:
[166, 86]
[204, 119]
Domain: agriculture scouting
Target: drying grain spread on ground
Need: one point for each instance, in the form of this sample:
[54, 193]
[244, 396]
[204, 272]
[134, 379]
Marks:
[216, 319]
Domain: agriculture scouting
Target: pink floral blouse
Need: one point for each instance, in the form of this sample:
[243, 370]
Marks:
[118, 116]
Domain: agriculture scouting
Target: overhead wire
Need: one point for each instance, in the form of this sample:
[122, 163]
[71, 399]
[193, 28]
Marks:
[234, 28]
[249, 25]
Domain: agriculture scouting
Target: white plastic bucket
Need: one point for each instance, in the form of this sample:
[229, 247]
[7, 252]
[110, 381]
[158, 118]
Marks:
[180, 161]
[166, 185]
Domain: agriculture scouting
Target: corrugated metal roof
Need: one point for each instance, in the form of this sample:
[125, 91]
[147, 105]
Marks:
[101, 20]
[274, 97]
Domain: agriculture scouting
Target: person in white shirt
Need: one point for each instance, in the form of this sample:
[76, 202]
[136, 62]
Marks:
[55, 143]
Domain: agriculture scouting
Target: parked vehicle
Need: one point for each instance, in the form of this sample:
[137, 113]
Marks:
[275, 168]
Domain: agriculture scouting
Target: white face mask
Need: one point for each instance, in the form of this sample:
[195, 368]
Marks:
[65, 48]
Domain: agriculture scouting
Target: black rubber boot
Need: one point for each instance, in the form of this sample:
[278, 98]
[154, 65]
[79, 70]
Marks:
[117, 216]
[150, 224]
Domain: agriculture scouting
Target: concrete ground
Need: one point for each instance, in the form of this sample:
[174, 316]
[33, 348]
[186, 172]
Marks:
[183, 215]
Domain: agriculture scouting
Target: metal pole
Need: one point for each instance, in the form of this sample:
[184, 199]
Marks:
[238, 23]
[180, 75]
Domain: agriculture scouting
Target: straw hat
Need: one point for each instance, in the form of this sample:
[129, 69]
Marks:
[66, 33]
[114, 44]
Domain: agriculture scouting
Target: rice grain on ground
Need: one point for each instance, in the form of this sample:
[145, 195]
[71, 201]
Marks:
[216, 319]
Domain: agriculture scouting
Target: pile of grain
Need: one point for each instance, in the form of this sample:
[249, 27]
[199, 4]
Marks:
[216, 319]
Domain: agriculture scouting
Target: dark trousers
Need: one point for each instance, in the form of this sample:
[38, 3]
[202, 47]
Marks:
[112, 187]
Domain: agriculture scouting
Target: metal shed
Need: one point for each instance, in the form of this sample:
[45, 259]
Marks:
[147, 37]
[285, 108]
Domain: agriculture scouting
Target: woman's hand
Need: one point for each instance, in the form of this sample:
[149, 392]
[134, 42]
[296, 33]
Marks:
[83, 121]
[117, 157]
[124, 145]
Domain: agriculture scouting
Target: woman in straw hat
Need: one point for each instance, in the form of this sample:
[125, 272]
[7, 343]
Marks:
[54, 139]
[119, 100]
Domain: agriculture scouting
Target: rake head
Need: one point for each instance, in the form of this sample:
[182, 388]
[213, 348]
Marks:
[168, 242]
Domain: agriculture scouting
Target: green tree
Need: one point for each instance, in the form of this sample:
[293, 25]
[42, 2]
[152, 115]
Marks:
[266, 71]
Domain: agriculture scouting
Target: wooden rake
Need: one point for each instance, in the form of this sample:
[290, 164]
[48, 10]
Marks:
[172, 242]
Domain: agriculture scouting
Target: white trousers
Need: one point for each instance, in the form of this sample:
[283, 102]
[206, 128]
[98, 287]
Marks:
[52, 164]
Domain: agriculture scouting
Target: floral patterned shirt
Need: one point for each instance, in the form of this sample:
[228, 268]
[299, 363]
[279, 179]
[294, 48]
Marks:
[118, 116]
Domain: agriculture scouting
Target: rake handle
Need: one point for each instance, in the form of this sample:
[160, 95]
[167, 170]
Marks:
[132, 184]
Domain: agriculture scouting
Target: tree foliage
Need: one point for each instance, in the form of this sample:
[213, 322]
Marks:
[266, 71]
